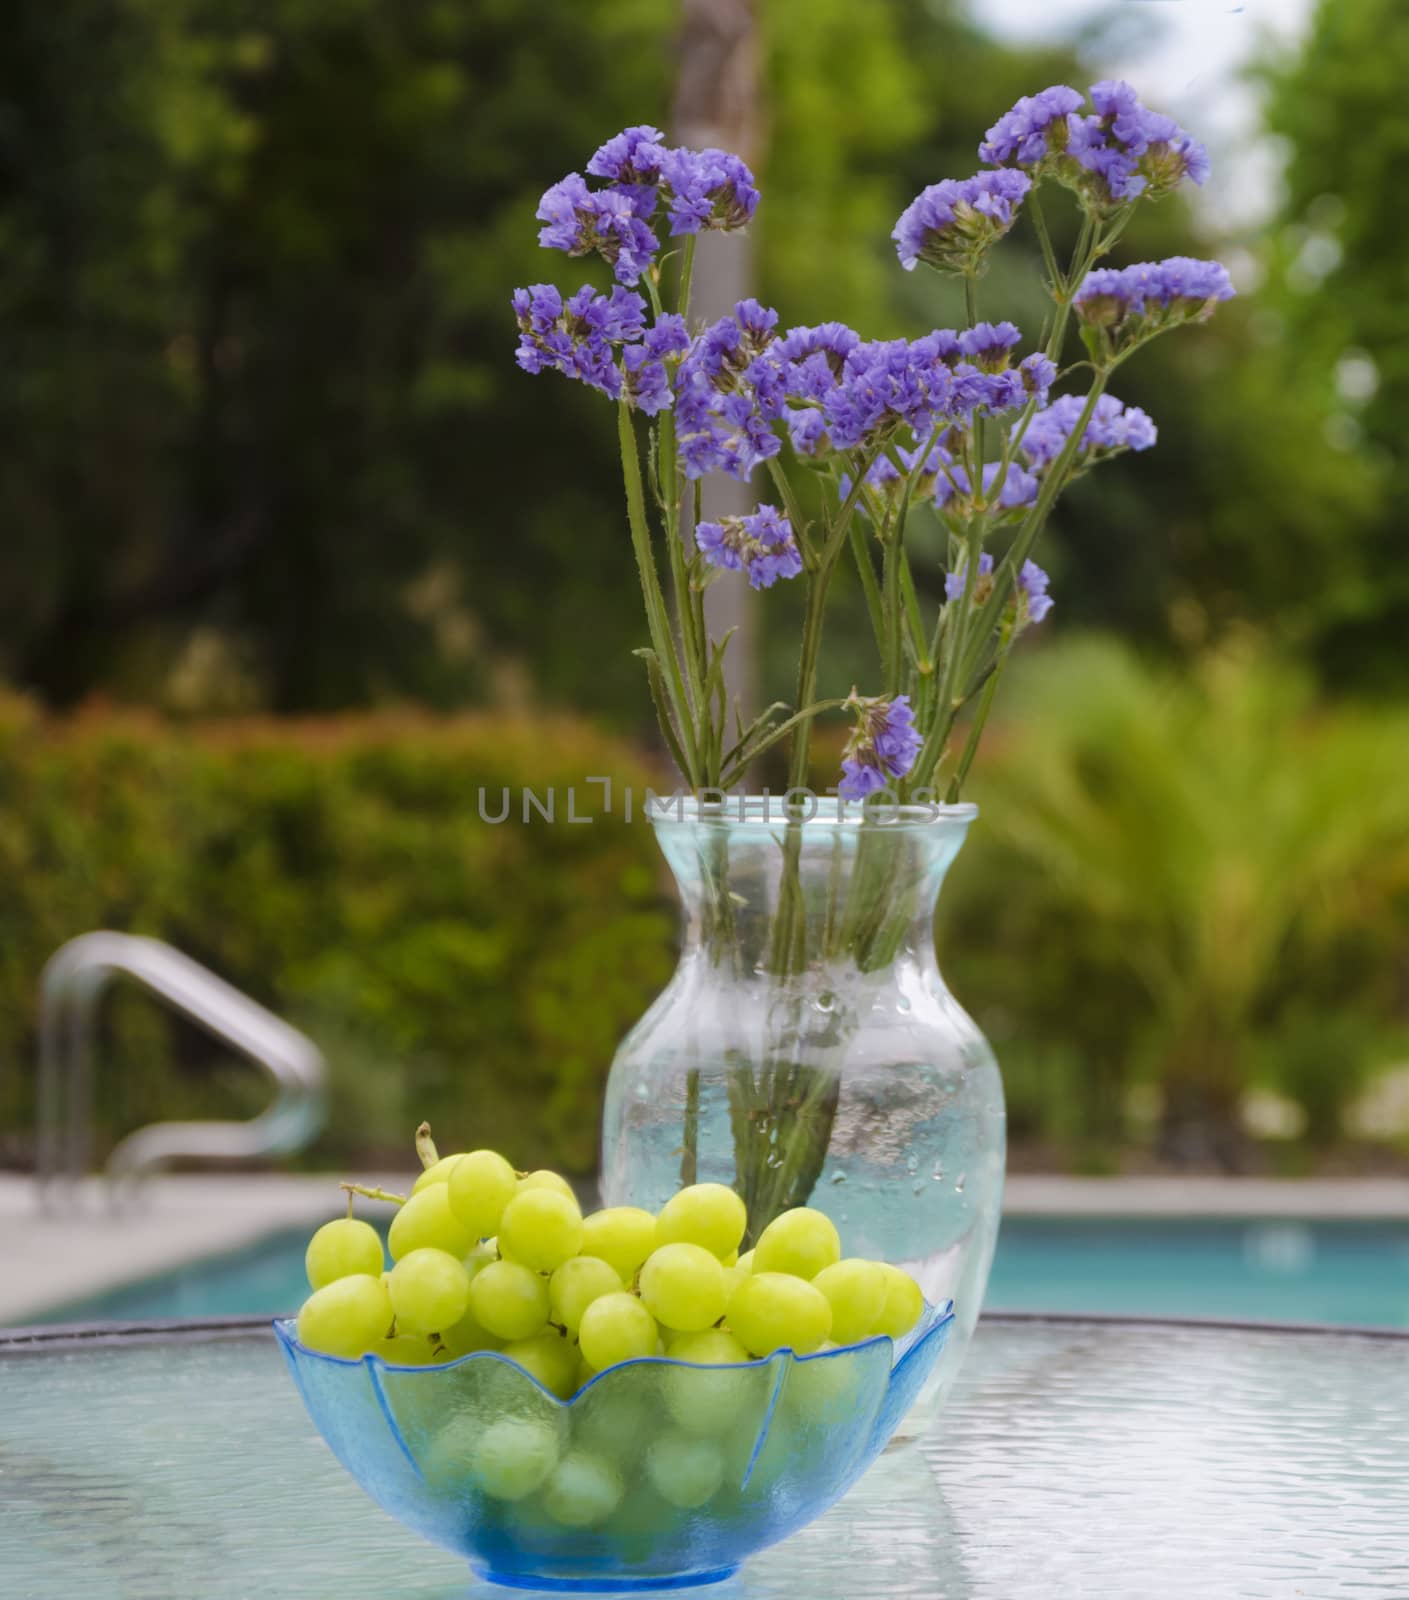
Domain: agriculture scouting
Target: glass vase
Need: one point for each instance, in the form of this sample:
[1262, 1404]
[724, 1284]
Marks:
[807, 1051]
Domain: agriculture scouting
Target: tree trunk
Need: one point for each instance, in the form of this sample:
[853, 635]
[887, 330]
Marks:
[716, 104]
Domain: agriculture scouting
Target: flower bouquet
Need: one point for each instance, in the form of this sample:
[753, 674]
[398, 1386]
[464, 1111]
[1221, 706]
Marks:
[802, 931]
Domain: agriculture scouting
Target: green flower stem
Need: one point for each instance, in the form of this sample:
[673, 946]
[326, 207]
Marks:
[985, 705]
[971, 298]
[1055, 279]
[913, 614]
[1004, 580]
[687, 274]
[657, 620]
[695, 647]
[861, 550]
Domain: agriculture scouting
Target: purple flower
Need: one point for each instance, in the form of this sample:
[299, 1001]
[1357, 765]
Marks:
[882, 748]
[1125, 150]
[987, 344]
[633, 156]
[956, 582]
[582, 221]
[585, 336]
[1113, 426]
[707, 189]
[1032, 588]
[727, 395]
[1034, 128]
[762, 545]
[952, 224]
[953, 494]
[1120, 308]
[1032, 600]
[1038, 375]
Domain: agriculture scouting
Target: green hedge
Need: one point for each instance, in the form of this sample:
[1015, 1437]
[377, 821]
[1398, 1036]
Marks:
[477, 975]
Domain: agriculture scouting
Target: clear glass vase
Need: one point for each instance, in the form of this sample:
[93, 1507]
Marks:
[806, 1050]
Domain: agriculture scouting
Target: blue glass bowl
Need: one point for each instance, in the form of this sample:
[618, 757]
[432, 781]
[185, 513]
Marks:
[656, 1474]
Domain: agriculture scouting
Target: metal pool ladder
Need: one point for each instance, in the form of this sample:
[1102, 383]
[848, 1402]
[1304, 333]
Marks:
[72, 984]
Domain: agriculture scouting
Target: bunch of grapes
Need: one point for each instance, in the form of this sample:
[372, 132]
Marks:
[487, 1258]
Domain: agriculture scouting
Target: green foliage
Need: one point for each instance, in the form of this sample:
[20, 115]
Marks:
[1170, 874]
[474, 974]
[1338, 291]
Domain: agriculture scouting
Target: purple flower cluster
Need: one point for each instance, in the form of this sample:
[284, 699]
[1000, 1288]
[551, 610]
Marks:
[762, 545]
[1116, 153]
[883, 746]
[952, 224]
[830, 390]
[1122, 307]
[606, 222]
[1035, 128]
[578, 337]
[600, 339]
[1113, 426]
[1033, 601]
[954, 494]
[696, 188]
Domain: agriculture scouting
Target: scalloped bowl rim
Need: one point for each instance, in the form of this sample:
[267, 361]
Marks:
[934, 1318]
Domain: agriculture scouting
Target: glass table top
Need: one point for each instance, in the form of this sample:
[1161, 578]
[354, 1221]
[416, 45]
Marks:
[1076, 1459]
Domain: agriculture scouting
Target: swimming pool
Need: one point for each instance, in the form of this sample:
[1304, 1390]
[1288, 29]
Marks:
[1243, 1269]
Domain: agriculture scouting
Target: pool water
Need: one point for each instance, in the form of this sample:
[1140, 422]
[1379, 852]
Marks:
[1257, 1270]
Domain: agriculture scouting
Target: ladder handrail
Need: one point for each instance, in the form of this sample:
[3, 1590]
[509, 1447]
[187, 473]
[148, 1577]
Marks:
[73, 982]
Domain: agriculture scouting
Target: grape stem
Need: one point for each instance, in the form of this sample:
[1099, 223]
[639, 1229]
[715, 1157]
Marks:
[425, 1146]
[369, 1193]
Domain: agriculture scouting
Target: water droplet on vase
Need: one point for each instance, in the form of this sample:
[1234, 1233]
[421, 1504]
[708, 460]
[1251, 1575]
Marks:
[903, 1003]
[959, 1183]
[919, 1188]
[938, 1172]
[825, 1001]
[838, 1177]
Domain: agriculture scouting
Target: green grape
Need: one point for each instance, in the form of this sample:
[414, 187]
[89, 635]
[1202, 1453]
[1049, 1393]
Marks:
[438, 1173]
[706, 1214]
[509, 1301]
[406, 1350]
[616, 1328]
[702, 1401]
[801, 1242]
[543, 1179]
[622, 1236]
[735, 1273]
[904, 1304]
[346, 1317]
[341, 1249]
[575, 1285]
[684, 1471]
[481, 1185]
[614, 1420]
[822, 1390]
[429, 1290]
[426, 1222]
[480, 1257]
[856, 1290]
[582, 1490]
[683, 1287]
[550, 1358]
[540, 1228]
[467, 1336]
[513, 1456]
[775, 1311]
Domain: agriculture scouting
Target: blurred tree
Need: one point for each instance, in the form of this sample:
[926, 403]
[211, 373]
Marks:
[262, 439]
[254, 269]
[1338, 292]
